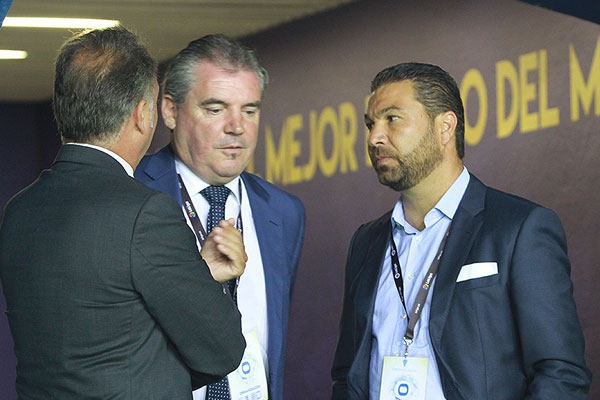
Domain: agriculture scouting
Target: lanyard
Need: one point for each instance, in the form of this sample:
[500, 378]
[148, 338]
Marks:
[423, 290]
[193, 215]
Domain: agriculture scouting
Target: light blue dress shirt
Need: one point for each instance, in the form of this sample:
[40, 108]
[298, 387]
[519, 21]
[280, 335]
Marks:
[416, 250]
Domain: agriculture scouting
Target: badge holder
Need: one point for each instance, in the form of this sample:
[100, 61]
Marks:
[249, 380]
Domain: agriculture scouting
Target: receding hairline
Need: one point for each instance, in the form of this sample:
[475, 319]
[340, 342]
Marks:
[194, 73]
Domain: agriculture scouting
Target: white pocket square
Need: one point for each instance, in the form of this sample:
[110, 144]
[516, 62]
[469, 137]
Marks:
[477, 270]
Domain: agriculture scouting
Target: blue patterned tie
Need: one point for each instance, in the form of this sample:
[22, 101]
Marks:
[217, 197]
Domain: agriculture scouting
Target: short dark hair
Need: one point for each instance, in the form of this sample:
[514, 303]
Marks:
[216, 49]
[434, 88]
[101, 75]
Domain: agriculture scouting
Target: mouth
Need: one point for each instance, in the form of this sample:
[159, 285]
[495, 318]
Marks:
[380, 157]
[232, 147]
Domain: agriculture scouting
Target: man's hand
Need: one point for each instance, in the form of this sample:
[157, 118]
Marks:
[224, 251]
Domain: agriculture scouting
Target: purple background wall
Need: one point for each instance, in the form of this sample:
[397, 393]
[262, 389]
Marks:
[321, 68]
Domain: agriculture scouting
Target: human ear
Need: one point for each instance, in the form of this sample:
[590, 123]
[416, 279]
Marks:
[168, 108]
[446, 126]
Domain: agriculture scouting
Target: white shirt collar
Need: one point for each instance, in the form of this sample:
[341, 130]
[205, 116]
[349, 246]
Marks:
[446, 206]
[128, 168]
[194, 184]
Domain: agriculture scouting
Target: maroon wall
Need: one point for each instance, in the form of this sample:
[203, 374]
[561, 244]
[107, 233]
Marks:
[548, 152]
[321, 68]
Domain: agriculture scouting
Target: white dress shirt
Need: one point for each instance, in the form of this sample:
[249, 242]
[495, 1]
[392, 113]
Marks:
[416, 250]
[251, 292]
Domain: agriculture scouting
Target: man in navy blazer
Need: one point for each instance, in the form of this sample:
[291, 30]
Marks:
[212, 92]
[500, 322]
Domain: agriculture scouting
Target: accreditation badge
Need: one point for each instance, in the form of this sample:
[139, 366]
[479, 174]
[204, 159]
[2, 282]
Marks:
[249, 381]
[403, 378]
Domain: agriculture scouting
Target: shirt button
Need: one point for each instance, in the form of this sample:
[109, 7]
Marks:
[411, 277]
[418, 239]
[403, 316]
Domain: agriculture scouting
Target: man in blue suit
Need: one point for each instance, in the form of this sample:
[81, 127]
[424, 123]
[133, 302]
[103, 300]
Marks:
[211, 100]
[500, 321]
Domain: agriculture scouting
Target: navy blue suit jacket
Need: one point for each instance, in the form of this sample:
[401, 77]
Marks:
[513, 335]
[279, 222]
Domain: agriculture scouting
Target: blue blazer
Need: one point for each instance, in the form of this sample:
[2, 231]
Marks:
[509, 336]
[279, 222]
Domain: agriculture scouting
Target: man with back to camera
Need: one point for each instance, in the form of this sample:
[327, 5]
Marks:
[211, 101]
[501, 322]
[105, 297]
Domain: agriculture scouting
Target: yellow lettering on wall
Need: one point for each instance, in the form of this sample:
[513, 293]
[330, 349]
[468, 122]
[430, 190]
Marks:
[506, 72]
[328, 118]
[474, 80]
[548, 116]
[579, 89]
[292, 125]
[527, 62]
[311, 167]
[275, 159]
[347, 135]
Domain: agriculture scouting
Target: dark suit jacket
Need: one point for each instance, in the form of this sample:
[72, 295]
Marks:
[279, 222]
[105, 296]
[508, 336]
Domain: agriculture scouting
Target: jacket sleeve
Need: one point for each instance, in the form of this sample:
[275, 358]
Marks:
[192, 309]
[345, 351]
[542, 296]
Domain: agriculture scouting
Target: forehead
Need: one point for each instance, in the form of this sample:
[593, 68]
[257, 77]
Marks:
[216, 80]
[396, 95]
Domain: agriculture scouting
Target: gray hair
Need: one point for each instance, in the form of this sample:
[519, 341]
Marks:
[101, 75]
[216, 49]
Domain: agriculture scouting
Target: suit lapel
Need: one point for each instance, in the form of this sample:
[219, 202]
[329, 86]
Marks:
[162, 173]
[368, 276]
[366, 281]
[269, 232]
[465, 226]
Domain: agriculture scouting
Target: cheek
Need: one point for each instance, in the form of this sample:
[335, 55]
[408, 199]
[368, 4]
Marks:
[251, 130]
[201, 136]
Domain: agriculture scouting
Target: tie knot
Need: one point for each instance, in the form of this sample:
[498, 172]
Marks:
[216, 195]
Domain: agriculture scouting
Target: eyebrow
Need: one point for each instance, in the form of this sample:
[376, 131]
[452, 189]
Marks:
[386, 110]
[256, 104]
[382, 112]
[213, 101]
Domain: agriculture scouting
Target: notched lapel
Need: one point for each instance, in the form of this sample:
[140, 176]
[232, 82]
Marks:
[465, 227]
[161, 173]
[367, 277]
[269, 232]
[364, 290]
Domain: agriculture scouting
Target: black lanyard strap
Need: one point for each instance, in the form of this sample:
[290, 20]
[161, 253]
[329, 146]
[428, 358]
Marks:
[423, 290]
[190, 210]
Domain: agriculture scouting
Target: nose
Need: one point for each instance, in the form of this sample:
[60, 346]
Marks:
[235, 124]
[377, 135]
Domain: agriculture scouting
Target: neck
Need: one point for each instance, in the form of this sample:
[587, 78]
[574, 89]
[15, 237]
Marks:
[126, 153]
[421, 198]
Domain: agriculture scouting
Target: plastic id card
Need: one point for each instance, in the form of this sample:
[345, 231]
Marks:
[249, 381]
[403, 378]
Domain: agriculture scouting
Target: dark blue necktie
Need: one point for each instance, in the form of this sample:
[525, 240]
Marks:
[217, 197]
